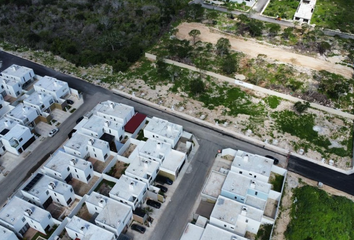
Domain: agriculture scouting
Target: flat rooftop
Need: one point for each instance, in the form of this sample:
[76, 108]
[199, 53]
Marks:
[223, 206]
[6, 234]
[50, 83]
[155, 149]
[142, 168]
[214, 184]
[16, 71]
[15, 209]
[96, 123]
[21, 111]
[39, 184]
[6, 124]
[38, 98]
[214, 233]
[80, 141]
[253, 163]
[88, 230]
[173, 160]
[117, 111]
[192, 232]
[15, 132]
[164, 128]
[127, 188]
[60, 161]
[305, 9]
[113, 213]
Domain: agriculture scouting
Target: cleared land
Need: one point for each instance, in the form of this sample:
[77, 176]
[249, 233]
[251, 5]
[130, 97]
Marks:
[253, 49]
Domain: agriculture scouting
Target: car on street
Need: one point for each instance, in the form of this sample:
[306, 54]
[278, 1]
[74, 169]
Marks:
[162, 180]
[53, 132]
[162, 188]
[138, 228]
[70, 102]
[79, 119]
[275, 161]
[153, 203]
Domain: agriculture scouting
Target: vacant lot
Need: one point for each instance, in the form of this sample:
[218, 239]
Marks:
[282, 8]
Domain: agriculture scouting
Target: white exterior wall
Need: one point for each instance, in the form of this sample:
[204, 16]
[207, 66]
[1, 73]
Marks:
[114, 132]
[82, 174]
[76, 152]
[220, 223]
[161, 138]
[99, 154]
[117, 231]
[13, 226]
[62, 198]
[40, 224]
[59, 93]
[249, 3]
[27, 135]
[46, 103]
[14, 90]
[251, 174]
[25, 77]
[56, 174]
[6, 234]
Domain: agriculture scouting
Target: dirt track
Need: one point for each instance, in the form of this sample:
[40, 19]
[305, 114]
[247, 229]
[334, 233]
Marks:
[253, 48]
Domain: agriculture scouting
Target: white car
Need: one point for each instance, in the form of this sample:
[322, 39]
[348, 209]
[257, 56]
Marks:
[53, 132]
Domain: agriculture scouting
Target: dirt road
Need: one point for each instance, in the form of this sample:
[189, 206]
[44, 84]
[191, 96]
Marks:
[252, 48]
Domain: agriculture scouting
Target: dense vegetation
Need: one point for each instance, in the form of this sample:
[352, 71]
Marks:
[317, 215]
[88, 32]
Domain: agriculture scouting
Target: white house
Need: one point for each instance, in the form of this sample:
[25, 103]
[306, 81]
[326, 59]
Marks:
[50, 85]
[42, 190]
[304, 11]
[163, 131]
[117, 112]
[64, 166]
[143, 169]
[173, 164]
[96, 126]
[155, 150]
[19, 215]
[14, 78]
[78, 228]
[192, 232]
[15, 138]
[40, 101]
[6, 234]
[112, 215]
[252, 165]
[246, 190]
[235, 216]
[129, 191]
[24, 115]
[212, 232]
[84, 146]
[4, 106]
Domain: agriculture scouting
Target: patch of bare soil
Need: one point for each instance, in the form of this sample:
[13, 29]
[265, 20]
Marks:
[253, 49]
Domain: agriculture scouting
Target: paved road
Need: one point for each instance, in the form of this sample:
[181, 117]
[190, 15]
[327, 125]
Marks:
[174, 219]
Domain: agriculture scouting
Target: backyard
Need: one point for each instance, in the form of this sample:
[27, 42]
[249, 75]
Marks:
[281, 8]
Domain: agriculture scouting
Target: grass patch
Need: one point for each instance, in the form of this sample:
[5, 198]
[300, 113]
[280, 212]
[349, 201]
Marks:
[104, 181]
[277, 182]
[264, 232]
[282, 8]
[43, 235]
[72, 110]
[317, 215]
[272, 101]
[141, 136]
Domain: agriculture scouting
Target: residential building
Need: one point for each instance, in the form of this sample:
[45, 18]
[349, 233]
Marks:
[192, 232]
[142, 169]
[212, 232]
[242, 218]
[134, 125]
[42, 190]
[173, 164]
[15, 138]
[78, 228]
[64, 166]
[19, 215]
[304, 11]
[246, 190]
[129, 191]
[50, 85]
[6, 234]
[40, 101]
[14, 78]
[24, 115]
[117, 112]
[164, 131]
[155, 150]
[84, 146]
[112, 215]
[213, 185]
[4, 106]
[96, 126]
[252, 165]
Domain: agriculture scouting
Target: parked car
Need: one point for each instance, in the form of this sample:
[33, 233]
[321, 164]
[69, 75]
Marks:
[53, 132]
[162, 188]
[275, 161]
[79, 119]
[138, 228]
[162, 180]
[70, 102]
[153, 204]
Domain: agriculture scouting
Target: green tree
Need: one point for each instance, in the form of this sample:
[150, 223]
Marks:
[197, 86]
[323, 47]
[194, 33]
[255, 28]
[301, 107]
[230, 64]
[223, 46]
[273, 29]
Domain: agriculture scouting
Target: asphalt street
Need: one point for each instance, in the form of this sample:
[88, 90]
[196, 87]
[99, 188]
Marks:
[175, 217]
